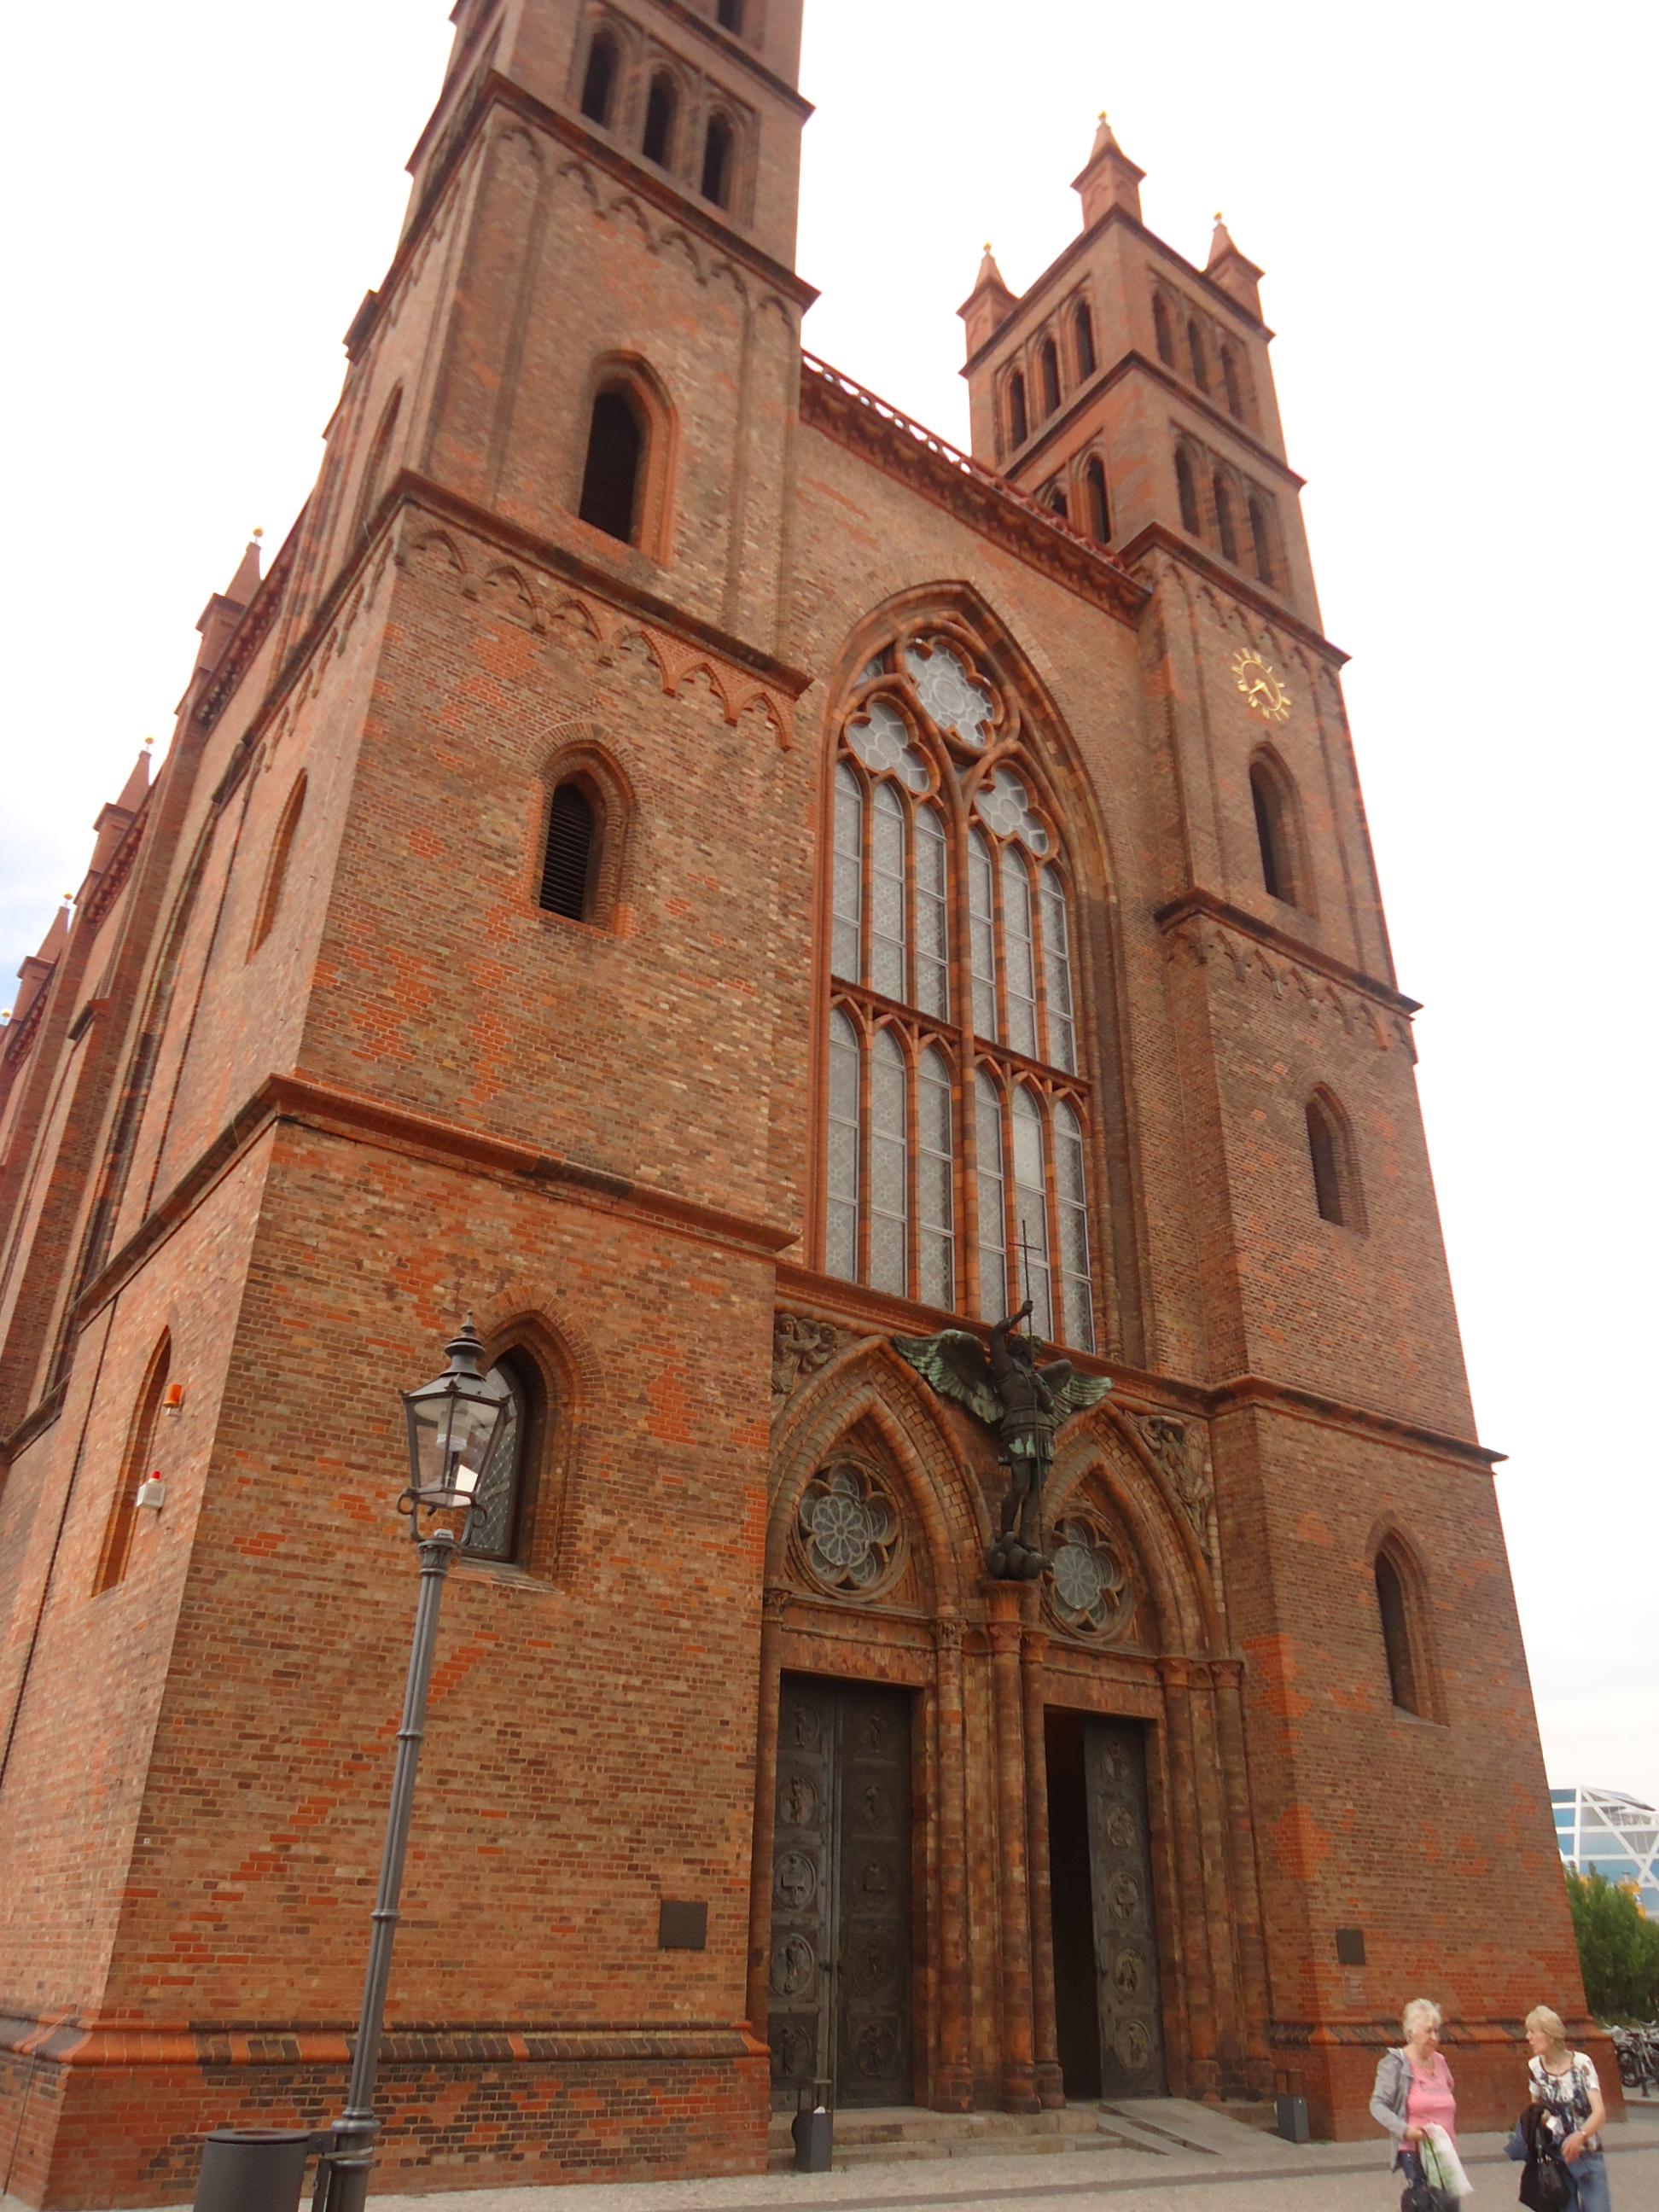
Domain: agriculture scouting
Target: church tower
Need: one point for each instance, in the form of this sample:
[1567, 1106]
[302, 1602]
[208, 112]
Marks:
[673, 859]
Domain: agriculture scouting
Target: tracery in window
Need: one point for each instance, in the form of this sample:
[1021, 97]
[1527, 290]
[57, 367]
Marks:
[956, 1156]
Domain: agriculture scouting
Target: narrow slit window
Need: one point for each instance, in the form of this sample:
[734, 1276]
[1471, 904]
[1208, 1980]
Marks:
[1325, 1153]
[1100, 511]
[1396, 1636]
[841, 1252]
[889, 1166]
[1048, 366]
[847, 934]
[570, 855]
[1083, 331]
[1274, 835]
[599, 83]
[136, 1463]
[936, 1182]
[1230, 380]
[887, 895]
[1261, 558]
[717, 163]
[493, 1532]
[1020, 426]
[661, 107]
[993, 1205]
[1226, 527]
[1187, 491]
[982, 934]
[1077, 1295]
[932, 915]
[1163, 331]
[611, 481]
[1031, 1212]
[1197, 355]
[1020, 954]
[282, 850]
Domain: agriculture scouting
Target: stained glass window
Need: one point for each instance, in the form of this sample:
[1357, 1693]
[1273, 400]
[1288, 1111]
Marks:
[889, 1165]
[982, 933]
[1031, 1210]
[842, 1244]
[1020, 954]
[932, 915]
[888, 898]
[1057, 974]
[845, 959]
[944, 688]
[1077, 1295]
[936, 1180]
[952, 944]
[881, 738]
[993, 1215]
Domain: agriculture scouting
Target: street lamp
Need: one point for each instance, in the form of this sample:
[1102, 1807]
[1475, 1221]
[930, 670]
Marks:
[454, 1423]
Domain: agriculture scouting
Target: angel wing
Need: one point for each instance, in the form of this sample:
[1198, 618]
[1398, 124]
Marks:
[1074, 1392]
[955, 1364]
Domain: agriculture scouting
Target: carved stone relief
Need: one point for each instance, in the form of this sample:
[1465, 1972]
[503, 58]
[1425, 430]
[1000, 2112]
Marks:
[800, 1347]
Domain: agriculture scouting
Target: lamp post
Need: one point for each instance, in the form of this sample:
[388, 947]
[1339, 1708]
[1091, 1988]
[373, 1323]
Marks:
[453, 1425]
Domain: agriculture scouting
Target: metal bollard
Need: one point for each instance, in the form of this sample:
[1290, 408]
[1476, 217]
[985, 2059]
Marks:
[813, 2128]
[254, 2169]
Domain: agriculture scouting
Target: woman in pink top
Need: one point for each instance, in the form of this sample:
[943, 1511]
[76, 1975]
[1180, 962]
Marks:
[1415, 2087]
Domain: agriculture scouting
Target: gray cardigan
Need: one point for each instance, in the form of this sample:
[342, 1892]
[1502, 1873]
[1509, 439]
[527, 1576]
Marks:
[1388, 2095]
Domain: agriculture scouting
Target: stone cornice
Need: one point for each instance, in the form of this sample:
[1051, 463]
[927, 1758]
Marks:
[1158, 538]
[1095, 386]
[1195, 904]
[332, 1111]
[976, 496]
[1243, 1391]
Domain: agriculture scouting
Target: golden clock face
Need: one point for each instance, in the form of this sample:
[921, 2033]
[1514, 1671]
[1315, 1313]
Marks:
[1264, 693]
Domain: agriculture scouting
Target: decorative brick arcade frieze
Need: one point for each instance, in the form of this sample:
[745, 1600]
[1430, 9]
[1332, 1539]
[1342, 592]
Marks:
[1207, 931]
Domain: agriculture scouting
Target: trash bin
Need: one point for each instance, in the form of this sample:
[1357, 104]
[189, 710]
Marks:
[254, 2169]
[1293, 2119]
[813, 2128]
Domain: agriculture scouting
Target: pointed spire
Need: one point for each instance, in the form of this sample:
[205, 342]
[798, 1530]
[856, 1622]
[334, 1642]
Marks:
[1240, 278]
[246, 582]
[988, 306]
[133, 790]
[1109, 178]
[36, 971]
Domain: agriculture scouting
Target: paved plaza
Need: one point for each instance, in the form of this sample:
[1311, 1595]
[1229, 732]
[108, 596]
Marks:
[1183, 2158]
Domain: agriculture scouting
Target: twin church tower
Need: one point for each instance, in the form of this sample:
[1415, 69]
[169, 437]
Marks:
[678, 860]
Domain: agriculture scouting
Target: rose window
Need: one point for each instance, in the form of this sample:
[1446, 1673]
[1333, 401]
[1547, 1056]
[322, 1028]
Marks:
[944, 688]
[849, 1531]
[1091, 1592]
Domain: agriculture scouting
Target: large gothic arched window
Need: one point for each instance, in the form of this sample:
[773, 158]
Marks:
[956, 1167]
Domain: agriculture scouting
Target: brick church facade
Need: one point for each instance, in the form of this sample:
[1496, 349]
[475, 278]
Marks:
[678, 860]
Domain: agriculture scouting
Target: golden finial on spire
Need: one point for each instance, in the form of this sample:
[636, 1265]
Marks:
[1219, 216]
[148, 741]
[1103, 115]
[259, 533]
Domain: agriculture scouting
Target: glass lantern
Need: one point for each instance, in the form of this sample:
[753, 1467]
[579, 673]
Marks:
[453, 1423]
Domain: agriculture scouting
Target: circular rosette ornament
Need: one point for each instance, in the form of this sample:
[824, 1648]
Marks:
[851, 1536]
[1089, 1589]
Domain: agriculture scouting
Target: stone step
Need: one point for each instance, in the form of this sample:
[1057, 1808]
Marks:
[889, 2137]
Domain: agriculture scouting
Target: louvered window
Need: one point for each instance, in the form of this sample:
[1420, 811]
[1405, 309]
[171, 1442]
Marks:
[568, 865]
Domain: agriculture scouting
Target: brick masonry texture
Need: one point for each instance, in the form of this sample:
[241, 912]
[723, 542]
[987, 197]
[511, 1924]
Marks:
[297, 1112]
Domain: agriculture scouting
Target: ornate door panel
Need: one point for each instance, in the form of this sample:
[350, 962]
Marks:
[1126, 1932]
[872, 1945]
[840, 1977]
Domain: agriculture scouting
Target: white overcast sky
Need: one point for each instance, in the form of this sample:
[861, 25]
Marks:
[1454, 206]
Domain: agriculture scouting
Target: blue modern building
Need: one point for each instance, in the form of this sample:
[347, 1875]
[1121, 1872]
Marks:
[1601, 1832]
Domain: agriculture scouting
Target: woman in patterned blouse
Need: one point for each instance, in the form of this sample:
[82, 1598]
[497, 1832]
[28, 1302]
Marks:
[1563, 2081]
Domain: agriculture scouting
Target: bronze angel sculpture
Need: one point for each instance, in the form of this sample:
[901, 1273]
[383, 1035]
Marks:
[1027, 1406]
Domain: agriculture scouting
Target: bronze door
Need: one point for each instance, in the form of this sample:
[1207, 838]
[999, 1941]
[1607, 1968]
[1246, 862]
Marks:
[1126, 1932]
[841, 1894]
